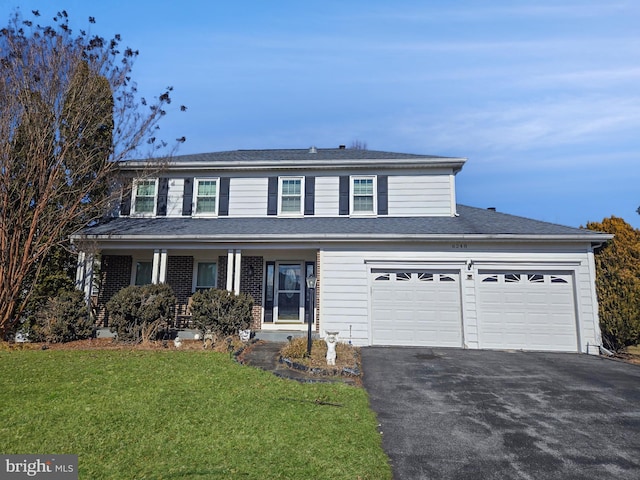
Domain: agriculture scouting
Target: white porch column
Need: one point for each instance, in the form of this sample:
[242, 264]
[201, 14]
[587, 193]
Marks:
[236, 272]
[230, 270]
[88, 275]
[80, 270]
[155, 269]
[162, 277]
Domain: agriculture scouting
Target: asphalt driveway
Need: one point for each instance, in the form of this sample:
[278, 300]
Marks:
[470, 414]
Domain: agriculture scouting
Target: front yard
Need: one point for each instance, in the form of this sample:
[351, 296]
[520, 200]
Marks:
[183, 414]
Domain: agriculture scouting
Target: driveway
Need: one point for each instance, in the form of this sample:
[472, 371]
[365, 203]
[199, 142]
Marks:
[474, 414]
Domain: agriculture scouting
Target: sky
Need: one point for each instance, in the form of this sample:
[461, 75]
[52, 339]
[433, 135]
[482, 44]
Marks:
[542, 97]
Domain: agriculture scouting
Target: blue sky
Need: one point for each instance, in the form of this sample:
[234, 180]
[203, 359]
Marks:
[542, 97]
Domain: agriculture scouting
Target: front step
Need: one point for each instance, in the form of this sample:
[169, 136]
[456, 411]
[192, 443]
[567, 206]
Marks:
[282, 335]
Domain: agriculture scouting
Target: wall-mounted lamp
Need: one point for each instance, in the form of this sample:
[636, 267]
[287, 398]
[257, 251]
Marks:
[250, 271]
[469, 264]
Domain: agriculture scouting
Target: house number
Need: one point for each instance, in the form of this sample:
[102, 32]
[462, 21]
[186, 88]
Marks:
[458, 245]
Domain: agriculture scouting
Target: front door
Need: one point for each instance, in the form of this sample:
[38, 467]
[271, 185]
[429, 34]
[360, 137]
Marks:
[289, 295]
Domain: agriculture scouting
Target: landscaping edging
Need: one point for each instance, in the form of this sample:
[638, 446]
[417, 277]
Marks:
[353, 371]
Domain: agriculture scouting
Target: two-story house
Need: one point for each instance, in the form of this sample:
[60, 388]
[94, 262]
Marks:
[397, 261]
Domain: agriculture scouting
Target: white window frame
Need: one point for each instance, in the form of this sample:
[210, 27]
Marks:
[352, 195]
[281, 180]
[195, 196]
[195, 285]
[134, 198]
[134, 270]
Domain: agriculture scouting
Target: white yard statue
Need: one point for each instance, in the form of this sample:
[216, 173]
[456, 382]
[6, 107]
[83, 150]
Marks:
[331, 340]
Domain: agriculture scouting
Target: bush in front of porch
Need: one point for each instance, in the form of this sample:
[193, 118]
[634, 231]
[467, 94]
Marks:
[221, 312]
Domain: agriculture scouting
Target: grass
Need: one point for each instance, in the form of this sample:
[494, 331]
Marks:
[135, 414]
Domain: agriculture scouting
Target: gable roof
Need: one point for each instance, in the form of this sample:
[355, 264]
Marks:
[470, 224]
[299, 158]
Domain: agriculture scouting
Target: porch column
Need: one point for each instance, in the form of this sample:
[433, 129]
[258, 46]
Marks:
[84, 273]
[80, 270]
[236, 272]
[163, 266]
[229, 270]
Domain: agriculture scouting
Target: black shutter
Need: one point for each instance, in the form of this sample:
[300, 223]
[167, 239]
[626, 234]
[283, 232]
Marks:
[187, 197]
[383, 195]
[272, 200]
[163, 194]
[223, 205]
[344, 196]
[125, 201]
[309, 195]
[270, 279]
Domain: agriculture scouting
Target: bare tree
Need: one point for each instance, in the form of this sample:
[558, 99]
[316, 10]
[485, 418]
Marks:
[69, 112]
[358, 145]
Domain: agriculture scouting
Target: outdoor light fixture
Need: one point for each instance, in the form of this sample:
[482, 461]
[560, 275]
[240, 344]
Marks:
[311, 286]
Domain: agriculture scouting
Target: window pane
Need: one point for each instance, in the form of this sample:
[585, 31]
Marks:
[146, 188]
[206, 205]
[363, 204]
[207, 188]
[144, 204]
[291, 204]
[207, 273]
[291, 187]
[363, 186]
[143, 273]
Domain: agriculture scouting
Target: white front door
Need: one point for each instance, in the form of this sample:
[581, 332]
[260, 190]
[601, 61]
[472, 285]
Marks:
[289, 294]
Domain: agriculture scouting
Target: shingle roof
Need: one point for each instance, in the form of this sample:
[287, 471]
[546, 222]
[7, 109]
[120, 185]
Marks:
[471, 222]
[300, 158]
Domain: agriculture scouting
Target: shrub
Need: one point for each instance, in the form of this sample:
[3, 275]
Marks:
[64, 318]
[618, 283]
[141, 313]
[221, 311]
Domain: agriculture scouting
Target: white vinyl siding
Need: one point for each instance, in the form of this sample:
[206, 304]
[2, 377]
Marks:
[174, 197]
[248, 197]
[345, 287]
[420, 195]
[327, 199]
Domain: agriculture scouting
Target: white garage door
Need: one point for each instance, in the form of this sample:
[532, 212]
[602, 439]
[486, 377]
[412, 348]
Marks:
[527, 311]
[417, 307]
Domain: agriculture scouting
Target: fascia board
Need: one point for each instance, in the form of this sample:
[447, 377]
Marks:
[310, 238]
[312, 164]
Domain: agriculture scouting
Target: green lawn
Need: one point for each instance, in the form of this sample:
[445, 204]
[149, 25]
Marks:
[170, 415]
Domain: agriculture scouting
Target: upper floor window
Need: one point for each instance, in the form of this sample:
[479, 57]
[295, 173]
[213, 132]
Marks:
[363, 197]
[291, 195]
[144, 200]
[206, 196]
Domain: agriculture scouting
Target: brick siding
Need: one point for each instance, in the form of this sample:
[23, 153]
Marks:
[252, 285]
[115, 274]
[180, 279]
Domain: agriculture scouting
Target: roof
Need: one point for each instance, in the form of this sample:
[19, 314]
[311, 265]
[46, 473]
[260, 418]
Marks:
[471, 223]
[300, 158]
